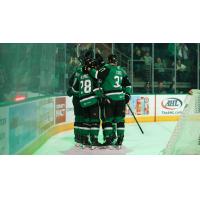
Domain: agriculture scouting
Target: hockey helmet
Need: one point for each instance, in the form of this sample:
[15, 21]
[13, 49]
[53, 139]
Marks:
[112, 59]
[88, 63]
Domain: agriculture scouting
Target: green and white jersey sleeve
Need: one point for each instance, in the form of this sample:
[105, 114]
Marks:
[126, 84]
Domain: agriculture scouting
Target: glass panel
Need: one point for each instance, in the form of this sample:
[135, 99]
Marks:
[186, 67]
[72, 61]
[104, 49]
[31, 70]
[142, 67]
[60, 69]
[164, 68]
[28, 69]
[47, 68]
[123, 53]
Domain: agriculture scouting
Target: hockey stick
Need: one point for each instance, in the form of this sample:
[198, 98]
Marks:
[135, 119]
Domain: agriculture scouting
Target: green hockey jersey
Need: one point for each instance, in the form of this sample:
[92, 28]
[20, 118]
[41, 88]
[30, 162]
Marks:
[114, 81]
[86, 88]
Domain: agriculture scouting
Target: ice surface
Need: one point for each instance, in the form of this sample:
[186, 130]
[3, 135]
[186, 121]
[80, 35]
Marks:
[152, 142]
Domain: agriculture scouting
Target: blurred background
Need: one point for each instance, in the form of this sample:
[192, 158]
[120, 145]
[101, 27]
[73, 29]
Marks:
[29, 71]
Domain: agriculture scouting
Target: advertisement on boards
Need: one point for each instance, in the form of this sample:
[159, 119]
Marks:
[60, 110]
[167, 105]
[142, 105]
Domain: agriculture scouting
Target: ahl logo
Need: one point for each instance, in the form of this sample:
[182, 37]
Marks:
[171, 103]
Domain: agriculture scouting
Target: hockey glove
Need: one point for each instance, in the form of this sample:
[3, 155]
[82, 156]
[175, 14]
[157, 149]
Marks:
[127, 98]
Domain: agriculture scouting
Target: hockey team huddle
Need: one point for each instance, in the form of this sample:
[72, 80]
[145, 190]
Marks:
[100, 92]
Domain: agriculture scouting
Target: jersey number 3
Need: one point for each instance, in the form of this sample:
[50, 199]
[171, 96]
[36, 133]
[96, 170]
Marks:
[117, 81]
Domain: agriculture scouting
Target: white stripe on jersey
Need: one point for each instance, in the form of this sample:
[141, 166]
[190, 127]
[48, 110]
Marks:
[96, 74]
[75, 80]
[108, 94]
[96, 89]
[87, 98]
[84, 128]
[108, 128]
[74, 90]
[94, 128]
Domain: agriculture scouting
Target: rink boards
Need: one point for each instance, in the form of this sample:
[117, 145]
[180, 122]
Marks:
[26, 126]
[155, 108]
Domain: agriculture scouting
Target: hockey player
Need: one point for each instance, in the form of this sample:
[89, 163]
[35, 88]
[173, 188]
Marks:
[117, 89]
[76, 103]
[100, 64]
[88, 91]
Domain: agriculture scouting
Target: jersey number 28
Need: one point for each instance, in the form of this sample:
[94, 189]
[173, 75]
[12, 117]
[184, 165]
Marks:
[86, 86]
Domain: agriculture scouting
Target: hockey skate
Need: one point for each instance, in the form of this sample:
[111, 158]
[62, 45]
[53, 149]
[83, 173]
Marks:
[85, 142]
[118, 147]
[95, 143]
[108, 143]
[78, 141]
[118, 144]
[78, 145]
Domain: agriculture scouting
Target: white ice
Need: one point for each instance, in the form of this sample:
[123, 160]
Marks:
[152, 142]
